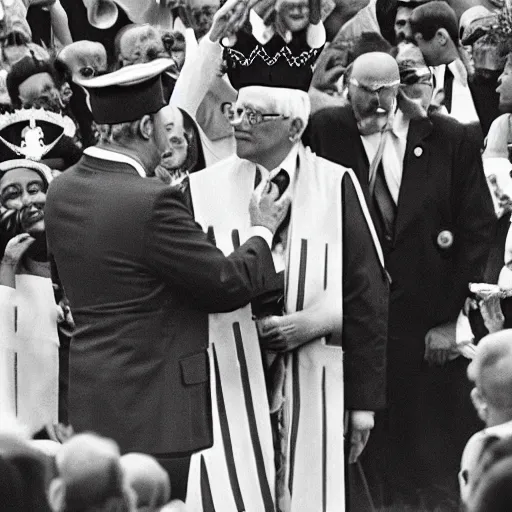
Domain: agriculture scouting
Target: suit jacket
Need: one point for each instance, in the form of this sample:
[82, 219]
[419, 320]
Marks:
[443, 188]
[141, 277]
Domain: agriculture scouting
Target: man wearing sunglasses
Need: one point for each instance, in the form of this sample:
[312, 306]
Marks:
[286, 415]
[424, 184]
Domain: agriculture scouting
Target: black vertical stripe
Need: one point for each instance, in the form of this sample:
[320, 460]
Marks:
[16, 383]
[326, 261]
[253, 428]
[226, 437]
[206, 491]
[302, 274]
[324, 445]
[295, 417]
[235, 238]
[295, 364]
[16, 364]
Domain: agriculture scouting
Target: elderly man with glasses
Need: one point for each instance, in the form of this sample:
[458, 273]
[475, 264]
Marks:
[279, 418]
[425, 187]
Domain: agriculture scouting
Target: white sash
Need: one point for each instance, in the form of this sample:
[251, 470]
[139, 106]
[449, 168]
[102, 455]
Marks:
[237, 473]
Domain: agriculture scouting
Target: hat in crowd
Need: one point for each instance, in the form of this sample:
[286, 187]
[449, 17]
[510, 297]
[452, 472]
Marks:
[31, 134]
[476, 22]
[130, 92]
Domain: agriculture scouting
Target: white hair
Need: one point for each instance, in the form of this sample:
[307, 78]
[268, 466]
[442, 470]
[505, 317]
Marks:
[292, 103]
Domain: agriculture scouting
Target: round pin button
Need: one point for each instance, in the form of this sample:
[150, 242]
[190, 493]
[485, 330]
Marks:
[445, 239]
[418, 151]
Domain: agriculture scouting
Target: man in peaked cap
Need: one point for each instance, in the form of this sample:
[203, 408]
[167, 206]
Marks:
[141, 277]
[425, 187]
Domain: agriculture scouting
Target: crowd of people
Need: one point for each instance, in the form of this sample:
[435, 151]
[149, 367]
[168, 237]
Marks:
[255, 255]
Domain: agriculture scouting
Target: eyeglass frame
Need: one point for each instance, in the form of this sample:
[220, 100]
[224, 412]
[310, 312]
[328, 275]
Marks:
[261, 118]
[353, 81]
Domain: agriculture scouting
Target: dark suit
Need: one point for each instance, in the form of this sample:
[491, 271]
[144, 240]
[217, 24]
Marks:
[141, 277]
[443, 188]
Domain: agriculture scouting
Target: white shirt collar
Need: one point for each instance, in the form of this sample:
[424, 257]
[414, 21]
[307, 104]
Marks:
[114, 156]
[289, 164]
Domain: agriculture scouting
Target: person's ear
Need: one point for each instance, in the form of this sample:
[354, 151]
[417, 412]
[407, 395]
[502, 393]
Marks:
[442, 36]
[479, 404]
[56, 494]
[147, 127]
[296, 129]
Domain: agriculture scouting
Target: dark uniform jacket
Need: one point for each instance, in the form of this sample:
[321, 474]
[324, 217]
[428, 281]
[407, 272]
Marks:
[141, 277]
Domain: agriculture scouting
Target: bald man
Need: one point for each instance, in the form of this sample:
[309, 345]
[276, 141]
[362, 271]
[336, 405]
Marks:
[491, 373]
[89, 475]
[426, 190]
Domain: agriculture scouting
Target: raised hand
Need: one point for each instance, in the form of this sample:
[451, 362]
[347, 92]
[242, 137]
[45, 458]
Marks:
[16, 248]
[229, 19]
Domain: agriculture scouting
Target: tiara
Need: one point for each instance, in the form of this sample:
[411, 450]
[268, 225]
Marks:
[32, 137]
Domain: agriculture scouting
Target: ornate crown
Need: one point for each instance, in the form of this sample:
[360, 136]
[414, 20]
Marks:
[32, 136]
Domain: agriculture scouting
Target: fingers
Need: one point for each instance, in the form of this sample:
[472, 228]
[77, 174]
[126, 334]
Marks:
[358, 441]
[268, 324]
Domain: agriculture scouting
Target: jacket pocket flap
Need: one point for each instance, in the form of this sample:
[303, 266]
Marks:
[194, 369]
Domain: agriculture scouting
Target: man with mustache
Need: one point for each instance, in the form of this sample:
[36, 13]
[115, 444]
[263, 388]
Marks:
[424, 184]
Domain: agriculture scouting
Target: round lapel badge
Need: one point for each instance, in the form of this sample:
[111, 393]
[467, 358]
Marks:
[445, 239]
[418, 151]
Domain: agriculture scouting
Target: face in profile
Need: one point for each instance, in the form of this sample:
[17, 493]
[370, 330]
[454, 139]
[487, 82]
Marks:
[24, 190]
[171, 137]
[294, 14]
[259, 129]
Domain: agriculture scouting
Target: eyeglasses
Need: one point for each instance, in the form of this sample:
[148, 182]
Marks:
[235, 114]
[384, 92]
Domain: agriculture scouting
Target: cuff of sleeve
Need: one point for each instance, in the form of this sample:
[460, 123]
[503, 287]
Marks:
[264, 232]
[316, 35]
[258, 27]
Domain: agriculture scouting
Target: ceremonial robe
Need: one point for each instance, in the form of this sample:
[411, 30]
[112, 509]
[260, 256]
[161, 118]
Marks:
[29, 351]
[330, 251]
[443, 188]
[141, 277]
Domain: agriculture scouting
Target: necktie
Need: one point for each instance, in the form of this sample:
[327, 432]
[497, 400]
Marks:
[448, 89]
[282, 180]
[381, 196]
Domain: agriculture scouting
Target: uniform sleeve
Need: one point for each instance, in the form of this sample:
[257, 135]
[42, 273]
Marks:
[179, 251]
[365, 309]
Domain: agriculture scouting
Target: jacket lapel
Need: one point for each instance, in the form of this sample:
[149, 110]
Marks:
[415, 174]
[353, 146]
